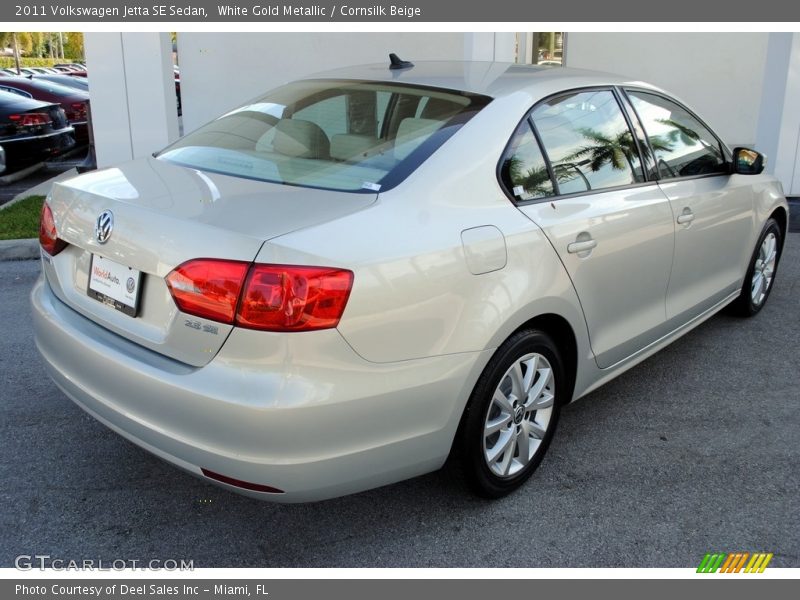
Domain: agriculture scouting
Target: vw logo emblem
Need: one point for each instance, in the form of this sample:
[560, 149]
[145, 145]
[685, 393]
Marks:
[103, 226]
[519, 412]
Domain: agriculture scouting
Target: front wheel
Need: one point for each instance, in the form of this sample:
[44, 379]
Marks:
[760, 272]
[512, 414]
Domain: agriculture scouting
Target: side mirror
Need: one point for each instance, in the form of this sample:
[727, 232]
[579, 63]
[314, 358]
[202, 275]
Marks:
[747, 161]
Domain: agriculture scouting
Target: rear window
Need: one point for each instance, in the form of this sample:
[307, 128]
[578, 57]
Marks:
[349, 136]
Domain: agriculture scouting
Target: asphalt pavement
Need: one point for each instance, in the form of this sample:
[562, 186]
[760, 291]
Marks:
[693, 451]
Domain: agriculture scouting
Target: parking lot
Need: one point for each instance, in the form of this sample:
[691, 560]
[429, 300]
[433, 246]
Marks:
[695, 450]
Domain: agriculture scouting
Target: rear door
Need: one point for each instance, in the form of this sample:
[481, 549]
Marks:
[713, 209]
[612, 229]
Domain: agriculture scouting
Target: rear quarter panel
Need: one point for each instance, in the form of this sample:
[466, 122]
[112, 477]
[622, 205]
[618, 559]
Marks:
[414, 295]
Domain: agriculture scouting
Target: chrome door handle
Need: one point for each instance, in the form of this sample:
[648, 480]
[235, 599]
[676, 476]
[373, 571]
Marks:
[583, 246]
[687, 216]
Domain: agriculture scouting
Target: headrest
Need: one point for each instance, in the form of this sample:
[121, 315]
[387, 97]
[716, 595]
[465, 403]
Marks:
[303, 139]
[439, 108]
[345, 146]
[411, 134]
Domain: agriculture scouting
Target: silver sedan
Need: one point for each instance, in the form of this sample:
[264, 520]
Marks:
[360, 274]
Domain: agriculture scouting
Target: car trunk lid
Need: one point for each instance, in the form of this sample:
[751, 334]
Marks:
[164, 215]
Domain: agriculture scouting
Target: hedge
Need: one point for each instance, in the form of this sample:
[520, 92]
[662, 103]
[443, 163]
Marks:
[8, 61]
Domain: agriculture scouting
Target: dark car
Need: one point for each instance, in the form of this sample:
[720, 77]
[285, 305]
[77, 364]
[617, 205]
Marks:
[32, 131]
[73, 101]
[79, 83]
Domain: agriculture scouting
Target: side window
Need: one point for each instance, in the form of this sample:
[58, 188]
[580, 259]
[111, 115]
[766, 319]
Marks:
[588, 141]
[649, 162]
[681, 144]
[523, 171]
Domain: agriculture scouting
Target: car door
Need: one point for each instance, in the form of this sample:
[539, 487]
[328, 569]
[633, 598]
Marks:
[612, 229]
[713, 209]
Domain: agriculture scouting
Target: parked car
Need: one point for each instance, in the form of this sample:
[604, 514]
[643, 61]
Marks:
[32, 131]
[72, 100]
[76, 66]
[79, 83]
[346, 281]
[71, 70]
[2, 160]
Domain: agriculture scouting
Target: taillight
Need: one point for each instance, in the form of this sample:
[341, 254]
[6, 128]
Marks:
[76, 112]
[291, 298]
[208, 288]
[265, 297]
[48, 236]
[30, 119]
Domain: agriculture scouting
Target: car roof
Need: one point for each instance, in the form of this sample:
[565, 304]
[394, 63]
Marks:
[495, 79]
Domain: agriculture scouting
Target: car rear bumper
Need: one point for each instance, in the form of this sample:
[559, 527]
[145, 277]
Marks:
[23, 151]
[312, 418]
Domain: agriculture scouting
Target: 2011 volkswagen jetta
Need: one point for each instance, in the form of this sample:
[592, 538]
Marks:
[340, 284]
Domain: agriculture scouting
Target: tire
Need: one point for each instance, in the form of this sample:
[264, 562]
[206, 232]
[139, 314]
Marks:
[498, 428]
[761, 271]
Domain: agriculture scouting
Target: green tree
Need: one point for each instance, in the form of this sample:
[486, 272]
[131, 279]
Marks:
[25, 43]
[73, 45]
[38, 43]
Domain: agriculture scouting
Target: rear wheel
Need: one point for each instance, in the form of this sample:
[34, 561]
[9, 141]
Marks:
[512, 414]
[761, 272]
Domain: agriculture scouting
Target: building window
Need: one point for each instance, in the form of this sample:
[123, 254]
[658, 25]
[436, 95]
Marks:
[541, 48]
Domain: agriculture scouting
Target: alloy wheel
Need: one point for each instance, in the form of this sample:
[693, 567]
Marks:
[764, 269]
[519, 415]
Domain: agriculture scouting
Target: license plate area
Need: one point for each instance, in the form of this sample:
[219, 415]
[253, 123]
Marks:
[115, 285]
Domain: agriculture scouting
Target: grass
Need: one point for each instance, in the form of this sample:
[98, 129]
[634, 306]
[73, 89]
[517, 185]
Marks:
[22, 219]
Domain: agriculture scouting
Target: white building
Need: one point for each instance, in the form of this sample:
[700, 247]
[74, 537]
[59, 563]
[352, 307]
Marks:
[746, 85]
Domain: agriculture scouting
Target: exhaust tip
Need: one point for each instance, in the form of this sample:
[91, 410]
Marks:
[245, 485]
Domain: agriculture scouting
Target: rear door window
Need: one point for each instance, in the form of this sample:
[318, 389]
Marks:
[588, 142]
[523, 170]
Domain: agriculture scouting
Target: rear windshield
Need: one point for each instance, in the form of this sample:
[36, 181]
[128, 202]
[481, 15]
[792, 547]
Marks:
[349, 136]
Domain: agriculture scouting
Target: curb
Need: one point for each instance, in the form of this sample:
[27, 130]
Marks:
[17, 175]
[19, 249]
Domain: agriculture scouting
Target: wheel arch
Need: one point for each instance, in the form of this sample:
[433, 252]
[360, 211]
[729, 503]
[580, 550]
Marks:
[782, 218]
[562, 334]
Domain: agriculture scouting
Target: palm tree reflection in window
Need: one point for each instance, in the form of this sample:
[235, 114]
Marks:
[686, 138]
[535, 181]
[620, 151]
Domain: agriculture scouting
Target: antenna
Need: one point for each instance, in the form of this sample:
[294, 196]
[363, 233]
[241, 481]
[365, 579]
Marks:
[398, 63]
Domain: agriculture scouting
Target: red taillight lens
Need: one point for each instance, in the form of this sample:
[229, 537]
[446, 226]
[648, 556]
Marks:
[292, 298]
[30, 119]
[208, 288]
[76, 112]
[48, 236]
[266, 297]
